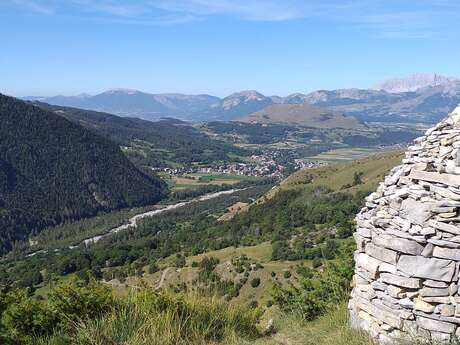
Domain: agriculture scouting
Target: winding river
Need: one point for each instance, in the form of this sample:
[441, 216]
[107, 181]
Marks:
[133, 221]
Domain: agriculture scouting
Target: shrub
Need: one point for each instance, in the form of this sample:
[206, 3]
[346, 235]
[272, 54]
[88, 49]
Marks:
[317, 262]
[239, 269]
[24, 317]
[253, 304]
[74, 301]
[287, 274]
[209, 263]
[255, 282]
[179, 261]
[317, 290]
[153, 267]
[357, 178]
[80, 314]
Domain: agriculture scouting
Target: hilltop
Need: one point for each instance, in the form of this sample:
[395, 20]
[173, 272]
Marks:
[304, 115]
[340, 176]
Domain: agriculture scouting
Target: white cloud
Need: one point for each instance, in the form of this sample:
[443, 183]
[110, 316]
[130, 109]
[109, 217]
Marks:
[122, 9]
[156, 21]
[35, 6]
[380, 18]
[262, 10]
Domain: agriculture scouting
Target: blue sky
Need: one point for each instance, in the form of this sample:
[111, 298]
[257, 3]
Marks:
[220, 46]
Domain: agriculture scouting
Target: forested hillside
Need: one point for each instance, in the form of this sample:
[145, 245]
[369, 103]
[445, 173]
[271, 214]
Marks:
[52, 170]
[159, 143]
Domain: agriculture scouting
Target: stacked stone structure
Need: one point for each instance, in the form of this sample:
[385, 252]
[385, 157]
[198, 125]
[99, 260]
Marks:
[408, 244]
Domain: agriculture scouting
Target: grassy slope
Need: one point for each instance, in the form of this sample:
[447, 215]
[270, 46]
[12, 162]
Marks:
[260, 253]
[335, 177]
[303, 114]
[330, 329]
[348, 154]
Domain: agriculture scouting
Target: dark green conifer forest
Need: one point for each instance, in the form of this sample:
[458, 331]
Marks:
[53, 170]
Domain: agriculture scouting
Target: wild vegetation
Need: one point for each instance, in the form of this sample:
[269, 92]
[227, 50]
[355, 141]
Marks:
[127, 252]
[79, 313]
[52, 170]
[289, 256]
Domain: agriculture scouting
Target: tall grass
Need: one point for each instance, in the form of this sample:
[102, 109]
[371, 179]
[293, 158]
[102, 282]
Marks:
[333, 329]
[146, 318]
[330, 329]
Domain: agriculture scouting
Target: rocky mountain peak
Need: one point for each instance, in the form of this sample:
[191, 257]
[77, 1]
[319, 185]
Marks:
[413, 82]
[248, 94]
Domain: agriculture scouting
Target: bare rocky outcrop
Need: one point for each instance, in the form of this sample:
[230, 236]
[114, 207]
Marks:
[408, 244]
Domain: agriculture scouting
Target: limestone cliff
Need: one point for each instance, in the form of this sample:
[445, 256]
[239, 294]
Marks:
[408, 244]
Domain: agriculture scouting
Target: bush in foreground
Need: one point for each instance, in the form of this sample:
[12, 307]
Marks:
[90, 315]
[317, 289]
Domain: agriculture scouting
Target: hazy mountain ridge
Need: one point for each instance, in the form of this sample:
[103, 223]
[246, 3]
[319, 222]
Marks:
[428, 104]
[433, 97]
[413, 82]
[132, 102]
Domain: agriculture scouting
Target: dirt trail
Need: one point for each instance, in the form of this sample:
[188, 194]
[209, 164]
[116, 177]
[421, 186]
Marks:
[162, 279]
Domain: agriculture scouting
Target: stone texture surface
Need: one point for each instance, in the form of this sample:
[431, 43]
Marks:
[408, 244]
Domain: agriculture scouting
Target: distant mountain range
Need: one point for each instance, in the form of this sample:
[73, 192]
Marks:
[413, 83]
[127, 102]
[416, 98]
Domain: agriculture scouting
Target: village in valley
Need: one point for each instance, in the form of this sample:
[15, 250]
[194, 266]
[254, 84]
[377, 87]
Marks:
[262, 165]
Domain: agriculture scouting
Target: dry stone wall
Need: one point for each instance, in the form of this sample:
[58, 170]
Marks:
[408, 244]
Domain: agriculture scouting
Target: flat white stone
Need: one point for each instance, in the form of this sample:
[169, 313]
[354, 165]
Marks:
[369, 263]
[434, 325]
[383, 254]
[452, 229]
[410, 283]
[401, 245]
[446, 253]
[428, 268]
